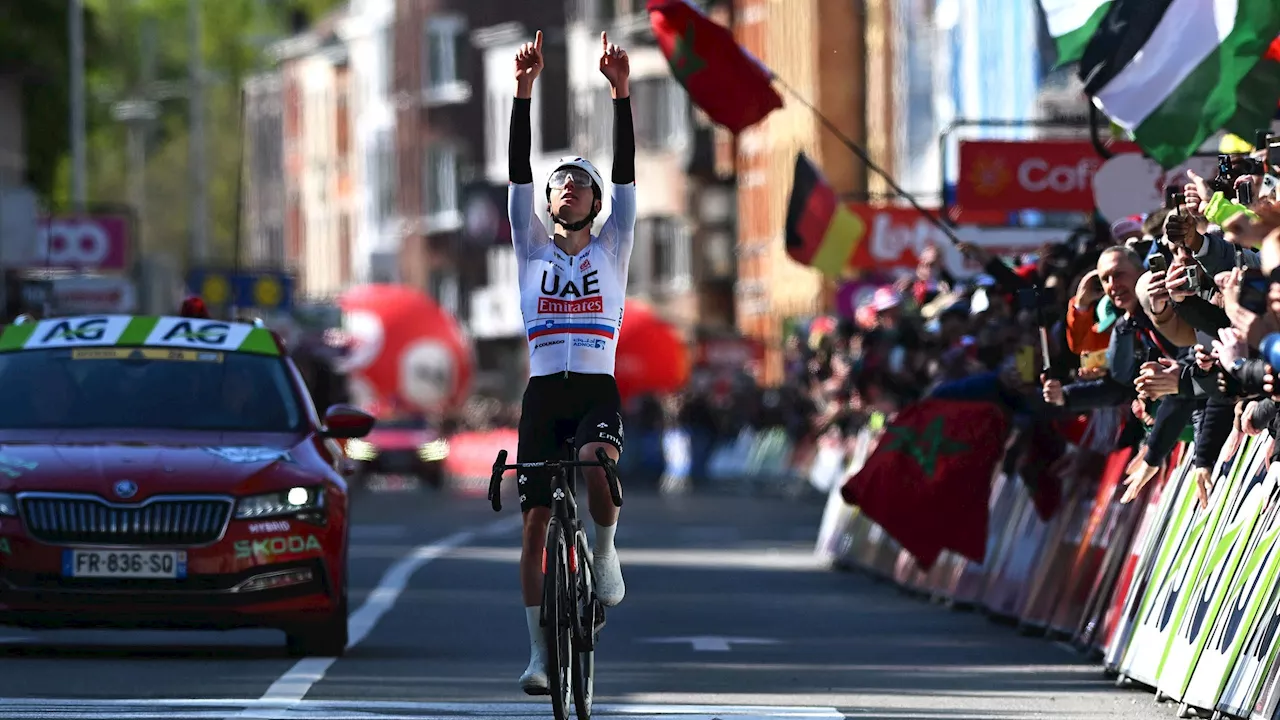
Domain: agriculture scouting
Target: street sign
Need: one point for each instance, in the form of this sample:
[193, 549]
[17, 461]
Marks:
[260, 289]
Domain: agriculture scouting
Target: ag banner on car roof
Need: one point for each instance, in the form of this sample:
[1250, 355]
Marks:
[94, 331]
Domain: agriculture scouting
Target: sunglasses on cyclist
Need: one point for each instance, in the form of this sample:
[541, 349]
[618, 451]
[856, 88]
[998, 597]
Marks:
[561, 177]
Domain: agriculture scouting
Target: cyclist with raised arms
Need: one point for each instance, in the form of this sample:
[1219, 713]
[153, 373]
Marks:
[572, 289]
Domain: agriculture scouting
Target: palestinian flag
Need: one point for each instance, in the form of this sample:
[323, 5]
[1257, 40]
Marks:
[928, 482]
[822, 232]
[1174, 72]
[731, 86]
[1072, 24]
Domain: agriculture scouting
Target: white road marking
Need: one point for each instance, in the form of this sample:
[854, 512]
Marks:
[183, 709]
[707, 643]
[294, 684]
[378, 532]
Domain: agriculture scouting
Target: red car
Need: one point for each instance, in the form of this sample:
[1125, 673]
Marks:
[169, 472]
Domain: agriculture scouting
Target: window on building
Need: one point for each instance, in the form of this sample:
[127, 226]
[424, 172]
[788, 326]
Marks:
[605, 10]
[441, 175]
[671, 254]
[553, 100]
[497, 120]
[387, 73]
[442, 45]
[381, 169]
[661, 113]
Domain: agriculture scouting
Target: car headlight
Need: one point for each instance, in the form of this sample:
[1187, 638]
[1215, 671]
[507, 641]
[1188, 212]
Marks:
[434, 451]
[362, 450]
[8, 506]
[285, 502]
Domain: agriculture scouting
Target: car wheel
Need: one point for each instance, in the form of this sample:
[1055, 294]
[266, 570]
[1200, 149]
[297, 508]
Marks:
[326, 638]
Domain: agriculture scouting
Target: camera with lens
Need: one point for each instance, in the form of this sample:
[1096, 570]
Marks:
[1246, 380]
[1254, 290]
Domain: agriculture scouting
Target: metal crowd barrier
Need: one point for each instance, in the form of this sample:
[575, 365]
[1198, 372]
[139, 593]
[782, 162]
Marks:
[1181, 600]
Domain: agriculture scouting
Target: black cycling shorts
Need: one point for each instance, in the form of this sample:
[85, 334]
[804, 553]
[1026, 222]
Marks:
[557, 407]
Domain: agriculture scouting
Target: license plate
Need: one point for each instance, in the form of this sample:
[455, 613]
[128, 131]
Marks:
[124, 563]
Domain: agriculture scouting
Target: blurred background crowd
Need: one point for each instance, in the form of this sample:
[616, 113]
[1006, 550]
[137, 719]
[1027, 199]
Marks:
[338, 168]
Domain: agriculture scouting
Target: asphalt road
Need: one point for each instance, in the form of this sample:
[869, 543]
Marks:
[444, 636]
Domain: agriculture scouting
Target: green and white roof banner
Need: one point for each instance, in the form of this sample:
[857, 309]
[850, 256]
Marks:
[1174, 72]
[1154, 527]
[129, 331]
[1072, 24]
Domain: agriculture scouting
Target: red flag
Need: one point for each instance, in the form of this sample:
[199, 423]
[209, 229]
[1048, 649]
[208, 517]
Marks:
[1037, 468]
[730, 85]
[928, 483]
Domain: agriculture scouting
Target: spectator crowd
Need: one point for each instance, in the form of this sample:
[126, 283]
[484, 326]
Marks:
[1160, 328]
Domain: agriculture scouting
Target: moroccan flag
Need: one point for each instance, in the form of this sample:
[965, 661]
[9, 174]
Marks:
[733, 88]
[1174, 72]
[821, 231]
[928, 482]
[1072, 24]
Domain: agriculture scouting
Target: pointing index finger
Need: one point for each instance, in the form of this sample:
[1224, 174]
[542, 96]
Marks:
[604, 39]
[537, 41]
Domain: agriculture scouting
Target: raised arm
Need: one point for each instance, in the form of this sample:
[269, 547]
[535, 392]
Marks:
[618, 233]
[527, 231]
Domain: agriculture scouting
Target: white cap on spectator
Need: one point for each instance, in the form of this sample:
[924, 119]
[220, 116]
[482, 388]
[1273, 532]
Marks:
[1127, 226]
[979, 303]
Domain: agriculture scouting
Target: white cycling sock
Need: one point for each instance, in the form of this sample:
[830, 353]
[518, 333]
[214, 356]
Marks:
[604, 539]
[533, 617]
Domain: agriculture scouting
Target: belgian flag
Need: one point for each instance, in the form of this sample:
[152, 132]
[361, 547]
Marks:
[821, 231]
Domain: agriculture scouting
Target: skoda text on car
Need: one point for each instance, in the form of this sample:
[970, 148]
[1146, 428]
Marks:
[401, 445]
[169, 472]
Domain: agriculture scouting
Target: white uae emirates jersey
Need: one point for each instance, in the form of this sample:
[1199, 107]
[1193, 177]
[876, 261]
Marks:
[572, 304]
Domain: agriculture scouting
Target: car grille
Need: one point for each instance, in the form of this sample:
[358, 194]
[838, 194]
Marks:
[90, 520]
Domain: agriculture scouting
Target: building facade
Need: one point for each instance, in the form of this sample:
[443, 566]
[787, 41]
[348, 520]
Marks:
[263, 187]
[320, 201]
[826, 63]
[367, 30]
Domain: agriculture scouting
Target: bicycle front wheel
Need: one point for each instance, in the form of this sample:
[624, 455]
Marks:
[557, 624]
[584, 655]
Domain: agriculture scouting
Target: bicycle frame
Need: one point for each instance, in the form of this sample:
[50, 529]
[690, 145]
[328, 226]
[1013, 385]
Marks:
[576, 588]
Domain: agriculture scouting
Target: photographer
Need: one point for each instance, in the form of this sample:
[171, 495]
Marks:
[1134, 342]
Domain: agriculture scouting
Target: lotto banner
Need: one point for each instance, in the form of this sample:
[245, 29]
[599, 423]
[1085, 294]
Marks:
[1011, 583]
[1180, 551]
[1240, 510]
[1091, 549]
[1182, 599]
[1229, 666]
[1142, 559]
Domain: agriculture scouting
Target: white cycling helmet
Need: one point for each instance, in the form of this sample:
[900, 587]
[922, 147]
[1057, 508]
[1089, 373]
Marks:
[583, 164]
[597, 182]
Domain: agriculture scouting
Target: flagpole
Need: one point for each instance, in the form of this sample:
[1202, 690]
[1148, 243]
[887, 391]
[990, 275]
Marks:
[862, 155]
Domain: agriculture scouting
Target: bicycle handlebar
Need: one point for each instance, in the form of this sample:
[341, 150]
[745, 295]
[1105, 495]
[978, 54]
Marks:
[602, 460]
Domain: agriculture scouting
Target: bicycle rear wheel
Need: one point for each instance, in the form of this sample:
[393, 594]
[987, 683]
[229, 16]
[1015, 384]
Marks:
[557, 624]
[584, 655]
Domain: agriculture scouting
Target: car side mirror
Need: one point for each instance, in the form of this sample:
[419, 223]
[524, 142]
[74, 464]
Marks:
[346, 422]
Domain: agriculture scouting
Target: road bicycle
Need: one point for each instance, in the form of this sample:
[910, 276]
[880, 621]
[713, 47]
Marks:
[572, 615]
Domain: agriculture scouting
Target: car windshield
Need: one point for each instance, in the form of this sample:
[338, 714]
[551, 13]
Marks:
[146, 388]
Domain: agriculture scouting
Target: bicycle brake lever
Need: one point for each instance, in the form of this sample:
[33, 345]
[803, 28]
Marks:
[611, 475]
[495, 482]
